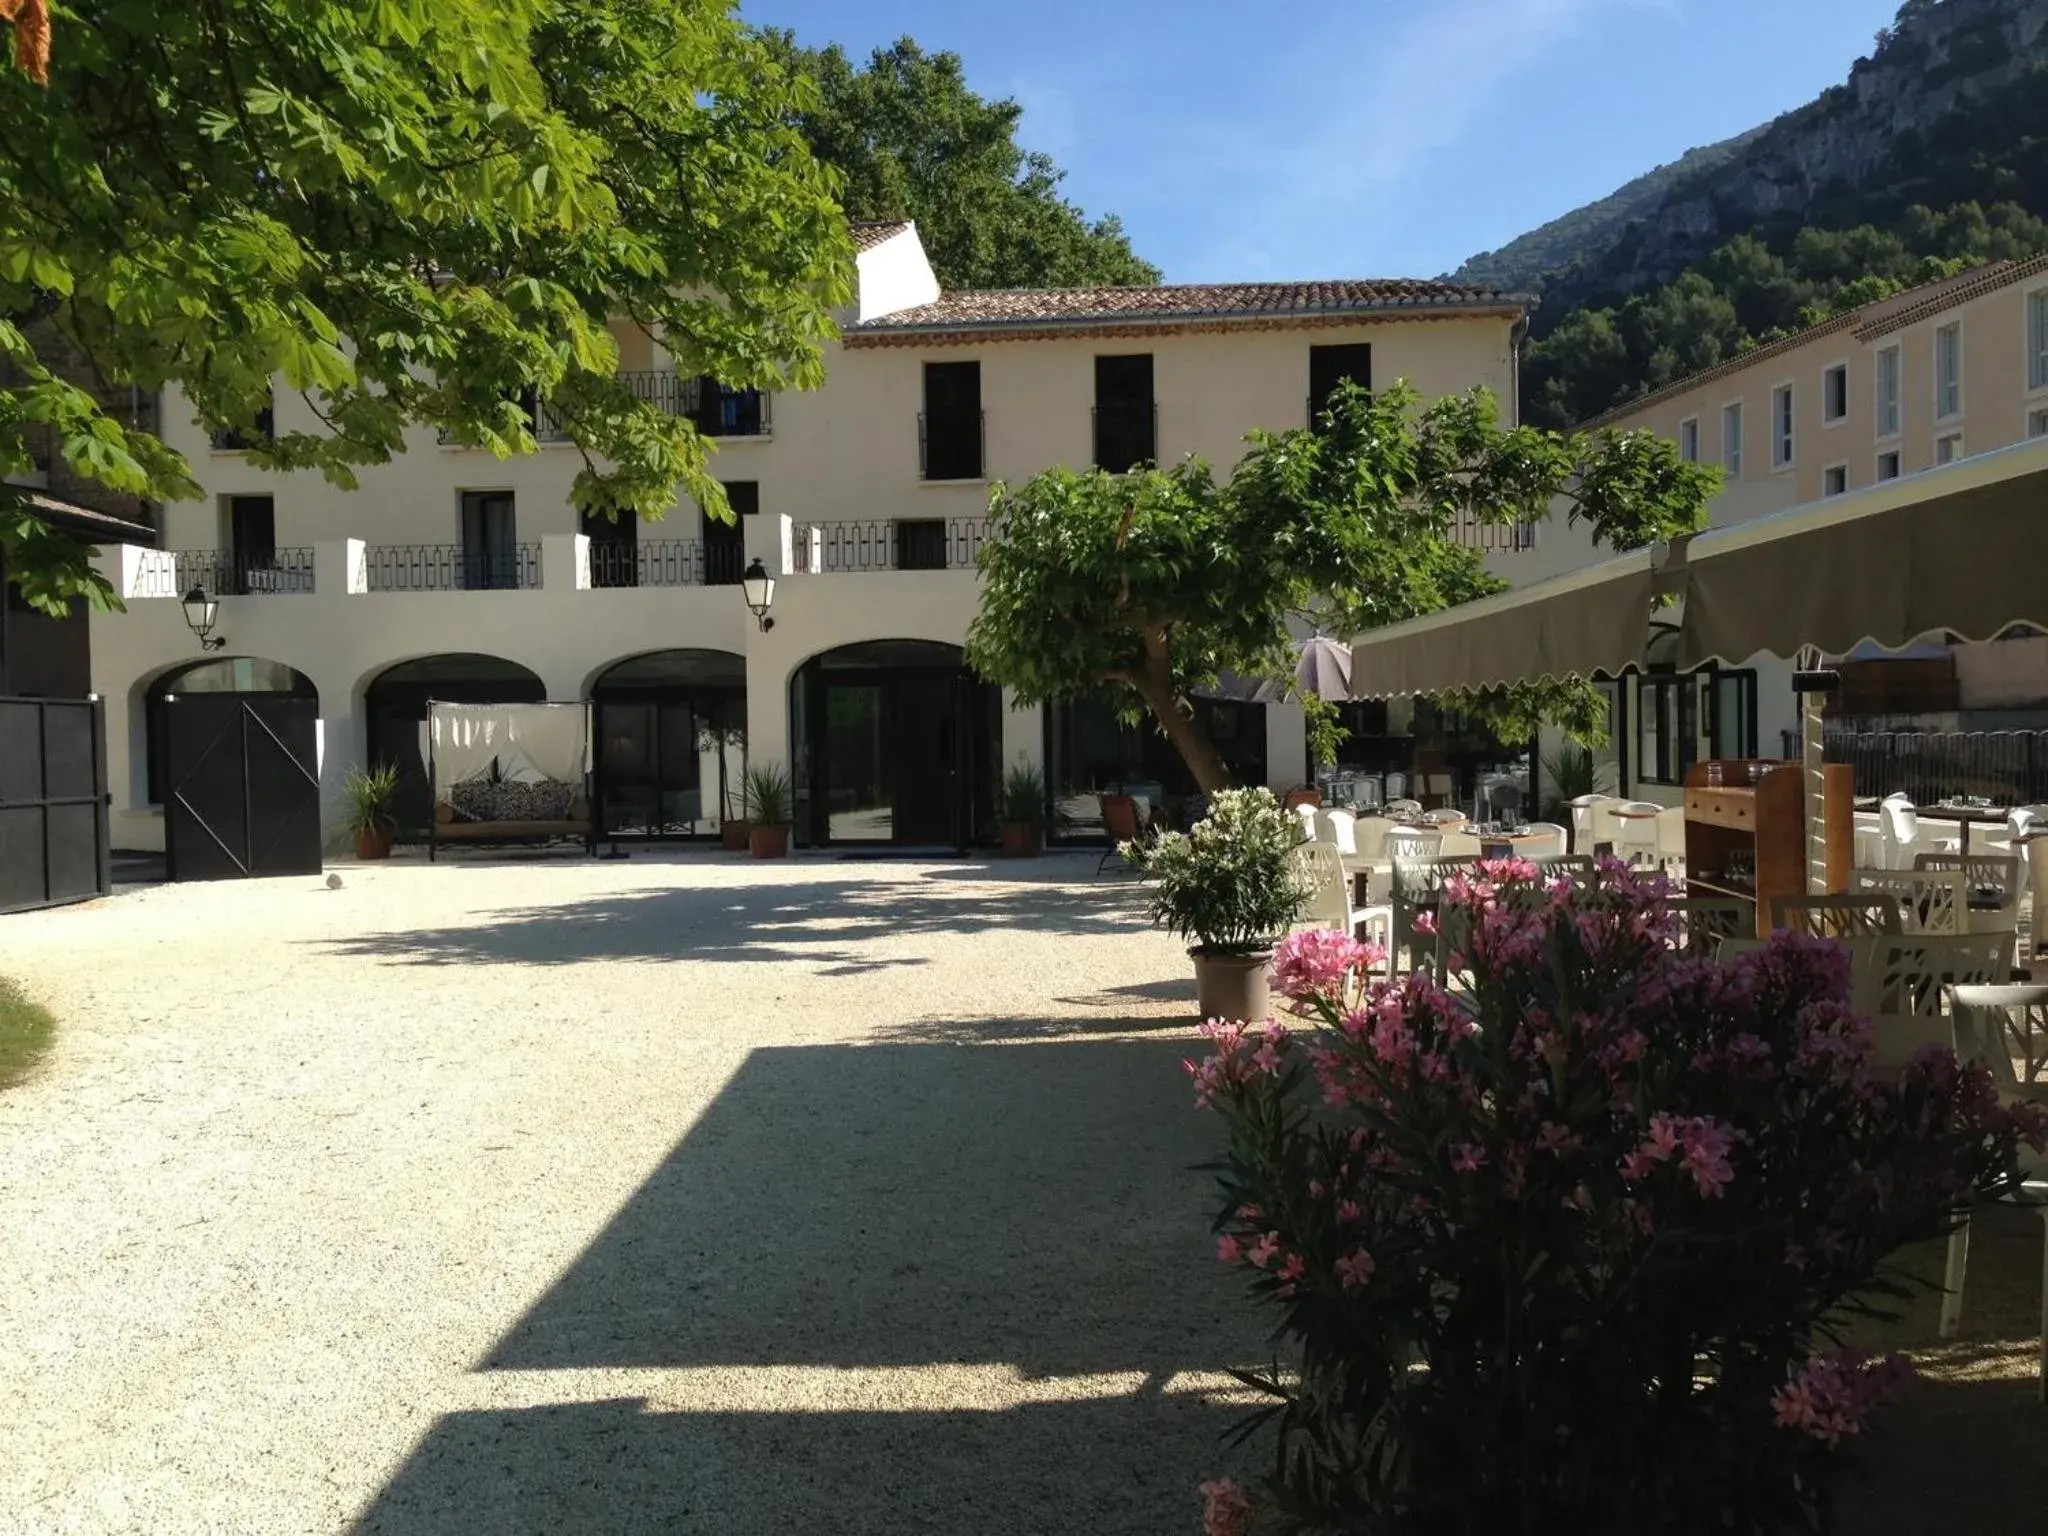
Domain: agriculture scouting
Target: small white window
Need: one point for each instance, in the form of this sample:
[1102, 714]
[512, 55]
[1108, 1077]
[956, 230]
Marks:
[1834, 480]
[2037, 339]
[1689, 440]
[2037, 423]
[1834, 394]
[1948, 371]
[1888, 391]
[1948, 449]
[1888, 465]
[1781, 426]
[1731, 439]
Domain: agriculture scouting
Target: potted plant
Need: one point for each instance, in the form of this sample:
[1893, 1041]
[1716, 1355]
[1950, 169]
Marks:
[732, 826]
[371, 796]
[1231, 886]
[767, 806]
[1020, 812]
[720, 736]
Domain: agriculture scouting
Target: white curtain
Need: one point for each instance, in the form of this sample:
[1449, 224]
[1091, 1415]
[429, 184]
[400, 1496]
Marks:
[530, 742]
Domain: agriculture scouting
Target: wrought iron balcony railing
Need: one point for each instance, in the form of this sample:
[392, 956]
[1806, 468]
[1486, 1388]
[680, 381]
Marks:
[451, 568]
[907, 544]
[229, 573]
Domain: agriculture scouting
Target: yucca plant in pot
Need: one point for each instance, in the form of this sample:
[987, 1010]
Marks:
[1021, 812]
[767, 803]
[370, 797]
[1231, 885]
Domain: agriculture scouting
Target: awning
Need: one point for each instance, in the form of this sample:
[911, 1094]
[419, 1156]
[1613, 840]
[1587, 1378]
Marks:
[1963, 548]
[1590, 620]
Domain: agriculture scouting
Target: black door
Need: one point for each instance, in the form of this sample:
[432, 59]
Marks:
[53, 803]
[927, 752]
[614, 549]
[252, 533]
[651, 778]
[243, 790]
[490, 541]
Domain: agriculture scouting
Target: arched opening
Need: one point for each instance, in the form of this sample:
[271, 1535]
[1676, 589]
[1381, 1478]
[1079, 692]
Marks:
[671, 744]
[395, 708]
[894, 741]
[216, 674]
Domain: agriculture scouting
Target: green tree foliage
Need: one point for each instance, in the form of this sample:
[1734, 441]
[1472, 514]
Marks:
[912, 141]
[1750, 291]
[409, 211]
[1154, 582]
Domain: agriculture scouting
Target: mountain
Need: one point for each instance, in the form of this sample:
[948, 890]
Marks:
[1952, 107]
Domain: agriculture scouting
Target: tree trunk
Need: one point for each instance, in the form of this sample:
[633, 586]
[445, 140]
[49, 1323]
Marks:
[1154, 682]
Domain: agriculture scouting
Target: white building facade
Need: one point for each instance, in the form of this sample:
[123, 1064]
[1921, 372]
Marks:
[451, 574]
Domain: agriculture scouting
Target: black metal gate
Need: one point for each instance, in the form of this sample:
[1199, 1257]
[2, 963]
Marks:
[243, 785]
[53, 803]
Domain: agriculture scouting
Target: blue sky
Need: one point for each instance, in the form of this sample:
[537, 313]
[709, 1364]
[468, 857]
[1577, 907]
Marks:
[1312, 138]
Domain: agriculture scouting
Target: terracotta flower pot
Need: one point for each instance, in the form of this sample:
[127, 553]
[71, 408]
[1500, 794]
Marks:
[1021, 841]
[373, 843]
[1233, 986]
[768, 842]
[733, 834]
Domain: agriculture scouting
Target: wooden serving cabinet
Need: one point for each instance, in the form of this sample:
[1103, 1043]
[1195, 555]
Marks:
[1745, 830]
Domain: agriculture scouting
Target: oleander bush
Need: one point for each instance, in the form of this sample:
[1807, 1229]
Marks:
[1571, 1251]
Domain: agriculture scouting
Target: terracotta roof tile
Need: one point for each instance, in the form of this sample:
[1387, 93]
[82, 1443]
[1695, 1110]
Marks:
[869, 233]
[1189, 301]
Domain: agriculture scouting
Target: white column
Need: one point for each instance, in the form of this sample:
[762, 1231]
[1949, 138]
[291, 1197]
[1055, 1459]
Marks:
[343, 735]
[565, 562]
[340, 568]
[1286, 745]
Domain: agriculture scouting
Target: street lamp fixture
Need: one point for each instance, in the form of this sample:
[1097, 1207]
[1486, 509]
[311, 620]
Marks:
[759, 588]
[201, 613]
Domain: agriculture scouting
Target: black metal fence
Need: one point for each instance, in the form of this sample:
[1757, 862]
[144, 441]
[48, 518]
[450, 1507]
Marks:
[2006, 767]
[665, 563]
[1494, 538]
[908, 544]
[451, 568]
[227, 573]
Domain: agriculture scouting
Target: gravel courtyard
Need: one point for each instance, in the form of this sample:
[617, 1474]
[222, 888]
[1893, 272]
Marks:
[682, 1193]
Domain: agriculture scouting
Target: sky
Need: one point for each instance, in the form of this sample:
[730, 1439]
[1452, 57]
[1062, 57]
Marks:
[1313, 138]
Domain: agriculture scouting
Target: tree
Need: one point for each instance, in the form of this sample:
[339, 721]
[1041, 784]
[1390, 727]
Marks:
[912, 141]
[409, 212]
[1154, 582]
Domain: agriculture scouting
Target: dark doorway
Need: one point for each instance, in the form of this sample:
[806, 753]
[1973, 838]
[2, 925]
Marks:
[490, 541]
[396, 704]
[252, 539]
[725, 543]
[53, 802]
[242, 792]
[614, 549]
[896, 742]
[671, 744]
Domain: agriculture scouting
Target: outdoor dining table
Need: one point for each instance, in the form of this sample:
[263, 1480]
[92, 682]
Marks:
[1505, 845]
[1966, 816]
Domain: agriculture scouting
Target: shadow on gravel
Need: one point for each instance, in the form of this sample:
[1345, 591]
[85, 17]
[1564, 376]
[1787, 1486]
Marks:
[841, 909]
[1035, 1206]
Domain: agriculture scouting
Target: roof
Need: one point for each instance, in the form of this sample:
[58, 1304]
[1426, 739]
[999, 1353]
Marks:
[87, 522]
[1027, 309]
[869, 233]
[1881, 317]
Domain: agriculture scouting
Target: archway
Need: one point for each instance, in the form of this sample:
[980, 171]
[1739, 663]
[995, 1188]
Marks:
[395, 708]
[671, 743]
[894, 741]
[216, 674]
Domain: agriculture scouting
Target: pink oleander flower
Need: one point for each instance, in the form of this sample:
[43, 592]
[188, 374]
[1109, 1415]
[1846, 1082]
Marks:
[1699, 1143]
[1468, 1157]
[1354, 1269]
[1834, 1392]
[1263, 1251]
[1319, 963]
[1226, 1508]
[1294, 1268]
[1348, 1211]
[1228, 1249]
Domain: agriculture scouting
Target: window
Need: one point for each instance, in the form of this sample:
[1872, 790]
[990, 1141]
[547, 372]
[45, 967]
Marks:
[1888, 391]
[1330, 366]
[921, 544]
[949, 431]
[1834, 480]
[2037, 339]
[1948, 371]
[1668, 714]
[1948, 449]
[2037, 423]
[1731, 439]
[1781, 426]
[1126, 419]
[1834, 394]
[490, 541]
[1888, 465]
[725, 411]
[1689, 440]
[725, 544]
[1732, 728]
[251, 540]
[233, 440]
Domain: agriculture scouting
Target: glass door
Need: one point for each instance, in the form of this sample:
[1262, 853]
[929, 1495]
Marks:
[860, 765]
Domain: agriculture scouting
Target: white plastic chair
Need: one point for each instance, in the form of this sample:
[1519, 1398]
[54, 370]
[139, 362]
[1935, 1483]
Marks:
[1671, 838]
[1635, 829]
[1307, 816]
[1459, 844]
[1546, 840]
[1330, 905]
[1397, 786]
[1406, 844]
[1584, 831]
[1369, 838]
[1903, 838]
[1335, 827]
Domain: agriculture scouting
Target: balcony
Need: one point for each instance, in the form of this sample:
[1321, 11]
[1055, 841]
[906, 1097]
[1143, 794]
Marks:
[952, 445]
[229, 440]
[714, 409]
[451, 568]
[227, 573]
[1126, 434]
[1494, 538]
[906, 544]
[665, 563]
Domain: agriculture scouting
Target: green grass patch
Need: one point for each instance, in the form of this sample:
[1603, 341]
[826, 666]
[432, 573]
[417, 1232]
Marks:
[26, 1030]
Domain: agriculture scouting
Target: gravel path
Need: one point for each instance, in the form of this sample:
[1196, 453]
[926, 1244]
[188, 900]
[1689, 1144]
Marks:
[675, 1194]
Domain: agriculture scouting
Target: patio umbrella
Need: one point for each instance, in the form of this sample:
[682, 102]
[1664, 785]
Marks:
[1322, 666]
